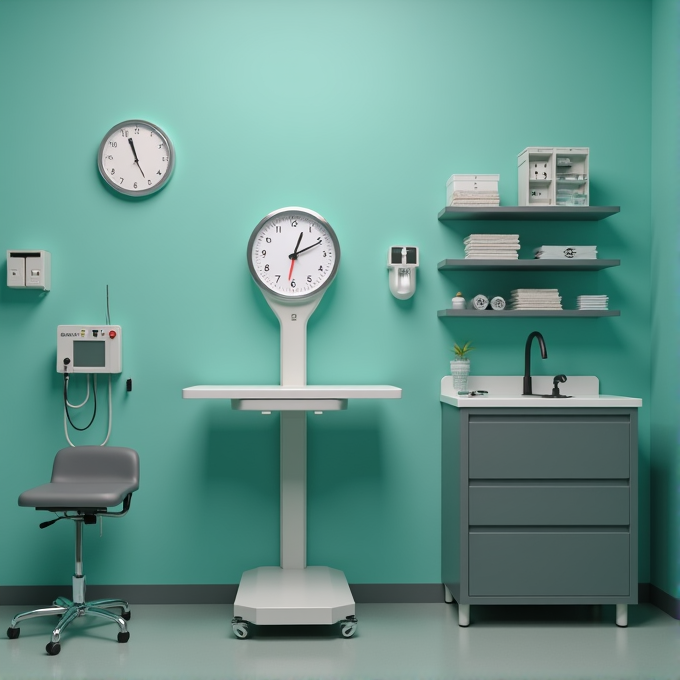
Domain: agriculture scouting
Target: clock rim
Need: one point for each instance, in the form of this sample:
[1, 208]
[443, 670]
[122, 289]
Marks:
[282, 296]
[171, 163]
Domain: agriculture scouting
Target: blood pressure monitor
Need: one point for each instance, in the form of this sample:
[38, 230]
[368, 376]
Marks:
[89, 349]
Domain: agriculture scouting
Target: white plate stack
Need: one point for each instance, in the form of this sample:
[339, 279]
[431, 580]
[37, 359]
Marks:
[491, 246]
[535, 298]
[592, 302]
[566, 253]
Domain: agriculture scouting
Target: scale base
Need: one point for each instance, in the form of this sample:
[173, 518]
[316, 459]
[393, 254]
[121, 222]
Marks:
[275, 596]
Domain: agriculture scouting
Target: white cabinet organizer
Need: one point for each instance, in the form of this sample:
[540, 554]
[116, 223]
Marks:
[550, 175]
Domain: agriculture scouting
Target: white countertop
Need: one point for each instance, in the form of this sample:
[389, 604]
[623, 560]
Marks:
[506, 391]
[301, 392]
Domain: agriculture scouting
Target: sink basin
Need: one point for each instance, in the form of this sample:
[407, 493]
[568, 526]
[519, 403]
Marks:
[580, 391]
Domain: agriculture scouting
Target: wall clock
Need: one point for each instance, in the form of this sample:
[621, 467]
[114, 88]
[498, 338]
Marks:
[293, 254]
[136, 158]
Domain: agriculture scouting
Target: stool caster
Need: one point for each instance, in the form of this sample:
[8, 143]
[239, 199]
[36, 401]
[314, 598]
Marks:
[13, 633]
[124, 637]
[53, 648]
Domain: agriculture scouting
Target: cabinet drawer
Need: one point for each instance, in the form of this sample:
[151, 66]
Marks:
[544, 564]
[549, 447]
[575, 505]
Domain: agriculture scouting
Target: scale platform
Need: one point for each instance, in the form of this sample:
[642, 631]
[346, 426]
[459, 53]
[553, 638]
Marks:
[277, 596]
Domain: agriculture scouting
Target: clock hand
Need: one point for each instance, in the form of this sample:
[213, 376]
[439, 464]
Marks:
[308, 247]
[293, 256]
[134, 153]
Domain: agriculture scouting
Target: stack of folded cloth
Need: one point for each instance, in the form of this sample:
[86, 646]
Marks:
[475, 198]
[491, 246]
[592, 302]
[535, 298]
[566, 252]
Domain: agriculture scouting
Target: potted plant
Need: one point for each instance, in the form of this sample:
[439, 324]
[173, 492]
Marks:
[460, 366]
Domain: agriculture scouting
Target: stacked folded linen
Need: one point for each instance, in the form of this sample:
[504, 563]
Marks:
[592, 302]
[491, 246]
[475, 198]
[535, 298]
[566, 252]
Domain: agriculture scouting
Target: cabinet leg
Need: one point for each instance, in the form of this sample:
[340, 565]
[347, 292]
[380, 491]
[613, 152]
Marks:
[463, 615]
[447, 595]
[622, 615]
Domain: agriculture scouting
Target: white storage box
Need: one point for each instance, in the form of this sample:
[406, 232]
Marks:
[471, 183]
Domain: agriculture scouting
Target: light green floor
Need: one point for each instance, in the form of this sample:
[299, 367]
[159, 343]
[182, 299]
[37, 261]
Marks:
[409, 641]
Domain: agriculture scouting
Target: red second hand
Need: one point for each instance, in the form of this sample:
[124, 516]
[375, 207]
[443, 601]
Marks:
[290, 273]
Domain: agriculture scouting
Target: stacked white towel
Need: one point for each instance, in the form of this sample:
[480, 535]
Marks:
[592, 302]
[535, 298]
[566, 252]
[491, 246]
[475, 198]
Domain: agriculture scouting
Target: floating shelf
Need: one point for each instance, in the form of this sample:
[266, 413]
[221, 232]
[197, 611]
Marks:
[528, 265]
[574, 213]
[505, 313]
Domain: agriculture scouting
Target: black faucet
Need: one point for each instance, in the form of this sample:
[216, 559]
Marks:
[527, 359]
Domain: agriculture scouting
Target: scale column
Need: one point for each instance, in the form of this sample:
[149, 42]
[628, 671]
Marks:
[293, 489]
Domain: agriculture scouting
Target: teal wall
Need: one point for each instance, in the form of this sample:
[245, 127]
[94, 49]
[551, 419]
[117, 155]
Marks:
[665, 424]
[359, 110]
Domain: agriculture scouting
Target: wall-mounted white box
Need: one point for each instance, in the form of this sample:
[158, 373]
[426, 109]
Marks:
[29, 269]
[553, 175]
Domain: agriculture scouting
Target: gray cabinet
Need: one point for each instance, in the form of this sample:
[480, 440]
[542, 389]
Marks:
[539, 506]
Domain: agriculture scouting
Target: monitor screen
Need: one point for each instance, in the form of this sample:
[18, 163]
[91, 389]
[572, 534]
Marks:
[89, 353]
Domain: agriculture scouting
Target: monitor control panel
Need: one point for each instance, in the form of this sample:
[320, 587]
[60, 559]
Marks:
[89, 349]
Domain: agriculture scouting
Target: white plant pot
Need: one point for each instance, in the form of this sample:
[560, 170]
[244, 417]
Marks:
[460, 370]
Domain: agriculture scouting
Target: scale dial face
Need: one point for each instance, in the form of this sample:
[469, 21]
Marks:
[136, 158]
[293, 254]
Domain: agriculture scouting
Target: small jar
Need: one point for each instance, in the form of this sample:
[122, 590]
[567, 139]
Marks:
[458, 302]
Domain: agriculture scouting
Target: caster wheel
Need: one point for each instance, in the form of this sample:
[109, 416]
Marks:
[13, 633]
[240, 628]
[124, 637]
[53, 648]
[126, 615]
[348, 627]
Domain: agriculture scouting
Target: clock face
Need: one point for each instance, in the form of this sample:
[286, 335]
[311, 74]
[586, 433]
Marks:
[293, 253]
[136, 158]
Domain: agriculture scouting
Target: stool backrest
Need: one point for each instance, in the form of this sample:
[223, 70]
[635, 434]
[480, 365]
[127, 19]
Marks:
[96, 464]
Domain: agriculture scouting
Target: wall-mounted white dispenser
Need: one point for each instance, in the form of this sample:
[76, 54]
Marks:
[402, 262]
[29, 269]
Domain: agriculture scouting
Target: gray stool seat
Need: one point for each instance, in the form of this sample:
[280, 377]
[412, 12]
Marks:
[86, 482]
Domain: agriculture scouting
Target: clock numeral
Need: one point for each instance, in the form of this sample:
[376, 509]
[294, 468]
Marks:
[278, 276]
[159, 172]
[293, 284]
[264, 253]
[113, 144]
[124, 132]
[324, 254]
[321, 268]
[160, 146]
[148, 181]
[109, 158]
[268, 240]
[135, 185]
[164, 158]
[121, 180]
[136, 130]
[266, 267]
[309, 279]
[113, 171]
[293, 223]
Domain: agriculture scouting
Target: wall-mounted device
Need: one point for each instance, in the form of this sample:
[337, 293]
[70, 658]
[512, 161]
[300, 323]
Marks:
[402, 262]
[89, 349]
[29, 269]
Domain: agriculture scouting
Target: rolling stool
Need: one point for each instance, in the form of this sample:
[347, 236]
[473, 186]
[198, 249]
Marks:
[86, 481]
